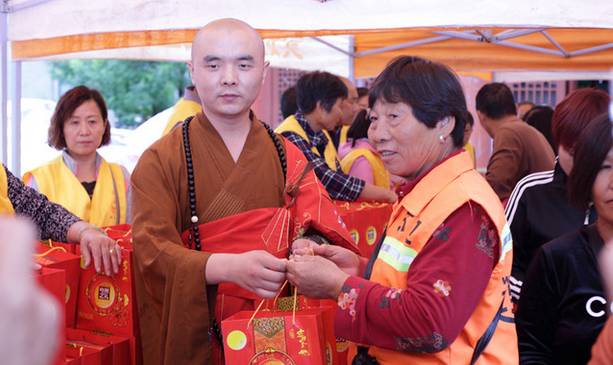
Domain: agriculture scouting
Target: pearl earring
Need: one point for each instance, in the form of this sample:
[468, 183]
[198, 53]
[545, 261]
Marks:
[441, 138]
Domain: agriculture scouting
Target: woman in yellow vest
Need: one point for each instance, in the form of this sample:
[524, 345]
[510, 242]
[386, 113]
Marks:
[436, 288]
[357, 156]
[80, 179]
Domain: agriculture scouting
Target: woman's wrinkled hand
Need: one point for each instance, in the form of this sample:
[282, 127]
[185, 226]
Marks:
[315, 276]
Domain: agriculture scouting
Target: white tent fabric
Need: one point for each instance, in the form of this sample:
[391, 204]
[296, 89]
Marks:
[54, 18]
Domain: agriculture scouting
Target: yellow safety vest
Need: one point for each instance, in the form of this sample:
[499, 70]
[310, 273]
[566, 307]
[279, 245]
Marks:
[290, 124]
[380, 174]
[108, 205]
[343, 137]
[413, 221]
[6, 207]
[182, 109]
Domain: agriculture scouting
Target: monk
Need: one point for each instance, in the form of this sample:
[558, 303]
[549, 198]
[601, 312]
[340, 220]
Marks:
[217, 202]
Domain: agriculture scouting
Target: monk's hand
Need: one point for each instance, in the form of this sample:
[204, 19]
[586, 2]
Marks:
[104, 251]
[315, 276]
[259, 272]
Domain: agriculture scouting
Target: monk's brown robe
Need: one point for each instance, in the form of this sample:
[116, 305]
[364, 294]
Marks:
[173, 299]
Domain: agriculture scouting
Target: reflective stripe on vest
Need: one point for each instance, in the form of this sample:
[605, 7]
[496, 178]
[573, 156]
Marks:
[290, 124]
[6, 207]
[415, 219]
[108, 205]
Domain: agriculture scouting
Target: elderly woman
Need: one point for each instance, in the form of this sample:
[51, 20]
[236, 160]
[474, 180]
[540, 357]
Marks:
[563, 308]
[80, 179]
[437, 291]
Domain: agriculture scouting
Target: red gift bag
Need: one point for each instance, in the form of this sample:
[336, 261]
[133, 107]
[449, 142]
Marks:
[54, 282]
[58, 258]
[107, 304]
[365, 222]
[83, 355]
[114, 350]
[282, 337]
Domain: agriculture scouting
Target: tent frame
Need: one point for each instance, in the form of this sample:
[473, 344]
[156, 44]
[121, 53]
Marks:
[482, 36]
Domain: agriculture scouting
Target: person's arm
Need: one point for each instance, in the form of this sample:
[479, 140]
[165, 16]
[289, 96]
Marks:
[51, 220]
[517, 218]
[338, 185]
[377, 193]
[536, 318]
[505, 162]
[445, 283]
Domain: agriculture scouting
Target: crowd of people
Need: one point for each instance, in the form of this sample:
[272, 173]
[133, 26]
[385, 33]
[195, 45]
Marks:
[504, 268]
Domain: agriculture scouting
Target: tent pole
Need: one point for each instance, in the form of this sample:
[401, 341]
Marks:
[555, 43]
[351, 59]
[526, 47]
[334, 47]
[16, 121]
[4, 84]
[27, 4]
[513, 33]
[402, 46]
[591, 50]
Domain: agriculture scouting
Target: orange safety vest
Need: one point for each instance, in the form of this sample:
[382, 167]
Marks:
[6, 207]
[442, 191]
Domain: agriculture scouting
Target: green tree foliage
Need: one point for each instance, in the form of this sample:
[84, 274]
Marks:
[133, 90]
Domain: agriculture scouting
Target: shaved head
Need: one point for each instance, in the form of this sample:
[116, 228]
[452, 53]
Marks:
[225, 28]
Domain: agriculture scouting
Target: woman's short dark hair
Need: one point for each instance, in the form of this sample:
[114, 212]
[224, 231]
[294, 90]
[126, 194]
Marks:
[431, 89]
[591, 149]
[539, 117]
[359, 127]
[319, 86]
[495, 100]
[66, 106]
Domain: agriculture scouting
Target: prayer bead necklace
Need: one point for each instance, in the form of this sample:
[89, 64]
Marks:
[191, 184]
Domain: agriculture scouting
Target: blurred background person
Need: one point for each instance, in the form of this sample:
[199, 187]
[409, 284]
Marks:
[539, 209]
[539, 117]
[562, 308]
[349, 108]
[80, 179]
[186, 106]
[519, 149]
[288, 102]
[359, 158]
[523, 107]
[468, 131]
[319, 96]
[362, 97]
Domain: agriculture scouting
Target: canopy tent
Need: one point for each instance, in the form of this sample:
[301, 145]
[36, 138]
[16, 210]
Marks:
[477, 35]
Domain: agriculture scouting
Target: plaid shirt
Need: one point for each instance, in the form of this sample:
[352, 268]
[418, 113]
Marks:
[340, 186]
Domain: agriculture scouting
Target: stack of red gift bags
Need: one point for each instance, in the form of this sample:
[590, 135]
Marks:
[290, 330]
[100, 311]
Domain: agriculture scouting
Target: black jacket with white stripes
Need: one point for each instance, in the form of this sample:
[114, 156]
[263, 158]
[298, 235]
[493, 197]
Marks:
[538, 211]
[563, 306]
